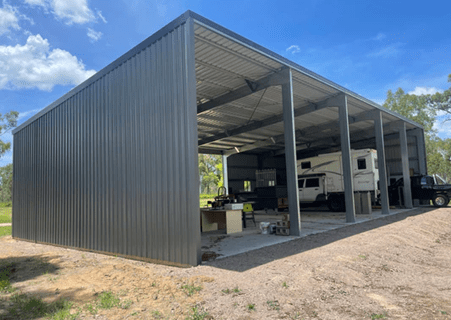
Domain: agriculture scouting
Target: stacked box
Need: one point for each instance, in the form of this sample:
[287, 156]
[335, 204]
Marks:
[286, 217]
[283, 224]
[282, 231]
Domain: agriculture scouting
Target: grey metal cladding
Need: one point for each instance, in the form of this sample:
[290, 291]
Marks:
[112, 167]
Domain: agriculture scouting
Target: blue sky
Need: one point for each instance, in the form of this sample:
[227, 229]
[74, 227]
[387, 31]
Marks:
[49, 46]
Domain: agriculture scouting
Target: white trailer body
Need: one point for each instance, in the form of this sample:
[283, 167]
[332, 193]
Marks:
[321, 178]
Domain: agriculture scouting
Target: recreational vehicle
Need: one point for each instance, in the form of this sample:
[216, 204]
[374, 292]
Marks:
[320, 178]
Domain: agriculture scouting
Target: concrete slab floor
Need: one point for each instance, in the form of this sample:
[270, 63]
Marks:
[218, 245]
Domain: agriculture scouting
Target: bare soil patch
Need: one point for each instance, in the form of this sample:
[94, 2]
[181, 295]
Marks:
[398, 267]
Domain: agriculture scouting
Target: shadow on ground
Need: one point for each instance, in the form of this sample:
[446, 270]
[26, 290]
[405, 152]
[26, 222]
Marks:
[255, 258]
[16, 305]
[26, 268]
[34, 306]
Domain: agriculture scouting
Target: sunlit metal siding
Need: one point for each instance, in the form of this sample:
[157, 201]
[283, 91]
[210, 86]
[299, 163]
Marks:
[112, 167]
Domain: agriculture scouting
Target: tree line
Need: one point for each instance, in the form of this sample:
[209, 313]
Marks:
[7, 122]
[424, 109]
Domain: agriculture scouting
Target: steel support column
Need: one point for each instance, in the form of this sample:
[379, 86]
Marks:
[290, 154]
[380, 146]
[225, 174]
[405, 165]
[343, 118]
[421, 150]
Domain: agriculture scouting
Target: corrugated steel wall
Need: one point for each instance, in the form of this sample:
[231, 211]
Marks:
[393, 156]
[114, 167]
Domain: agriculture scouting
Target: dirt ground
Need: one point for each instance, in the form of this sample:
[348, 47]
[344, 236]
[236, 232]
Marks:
[398, 267]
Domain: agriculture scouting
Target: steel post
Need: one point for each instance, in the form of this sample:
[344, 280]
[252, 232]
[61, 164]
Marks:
[225, 174]
[380, 146]
[405, 166]
[290, 154]
[421, 150]
[346, 157]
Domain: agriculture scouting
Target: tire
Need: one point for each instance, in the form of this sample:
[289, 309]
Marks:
[440, 200]
[336, 204]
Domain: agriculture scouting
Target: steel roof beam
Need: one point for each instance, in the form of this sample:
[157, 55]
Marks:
[334, 142]
[274, 79]
[304, 134]
[209, 151]
[333, 125]
[275, 140]
[300, 134]
[312, 107]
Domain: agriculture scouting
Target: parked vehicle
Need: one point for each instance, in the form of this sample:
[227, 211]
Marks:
[423, 187]
[320, 179]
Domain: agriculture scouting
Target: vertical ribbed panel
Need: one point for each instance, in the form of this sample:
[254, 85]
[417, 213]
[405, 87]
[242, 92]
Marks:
[393, 156]
[114, 167]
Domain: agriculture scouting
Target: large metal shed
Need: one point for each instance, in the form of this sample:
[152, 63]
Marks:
[112, 165]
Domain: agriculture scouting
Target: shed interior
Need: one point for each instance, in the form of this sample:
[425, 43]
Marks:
[240, 113]
[239, 109]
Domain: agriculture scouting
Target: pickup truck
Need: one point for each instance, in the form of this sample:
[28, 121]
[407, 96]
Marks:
[423, 188]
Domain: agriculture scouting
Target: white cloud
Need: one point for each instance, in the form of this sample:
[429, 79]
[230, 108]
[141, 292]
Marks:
[424, 90]
[35, 65]
[443, 127]
[94, 35]
[388, 51]
[75, 11]
[293, 49]
[36, 2]
[70, 11]
[99, 13]
[27, 114]
[380, 36]
[8, 19]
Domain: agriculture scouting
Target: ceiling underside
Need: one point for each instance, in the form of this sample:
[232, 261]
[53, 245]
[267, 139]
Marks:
[253, 123]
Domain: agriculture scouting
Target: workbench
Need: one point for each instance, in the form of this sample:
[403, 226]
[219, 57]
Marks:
[212, 219]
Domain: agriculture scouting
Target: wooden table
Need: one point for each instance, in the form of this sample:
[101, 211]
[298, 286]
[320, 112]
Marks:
[231, 220]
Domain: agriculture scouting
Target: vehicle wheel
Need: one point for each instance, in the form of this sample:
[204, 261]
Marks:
[336, 204]
[440, 200]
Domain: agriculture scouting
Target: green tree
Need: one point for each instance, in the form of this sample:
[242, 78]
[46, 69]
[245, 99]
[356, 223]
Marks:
[413, 107]
[439, 155]
[442, 101]
[423, 110]
[210, 172]
[7, 122]
[6, 183]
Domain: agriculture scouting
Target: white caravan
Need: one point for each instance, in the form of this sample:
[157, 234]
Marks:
[320, 179]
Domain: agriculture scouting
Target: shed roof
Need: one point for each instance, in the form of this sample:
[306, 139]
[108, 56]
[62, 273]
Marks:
[228, 64]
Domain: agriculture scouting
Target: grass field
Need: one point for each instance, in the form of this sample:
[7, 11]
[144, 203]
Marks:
[204, 198]
[5, 231]
[5, 214]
